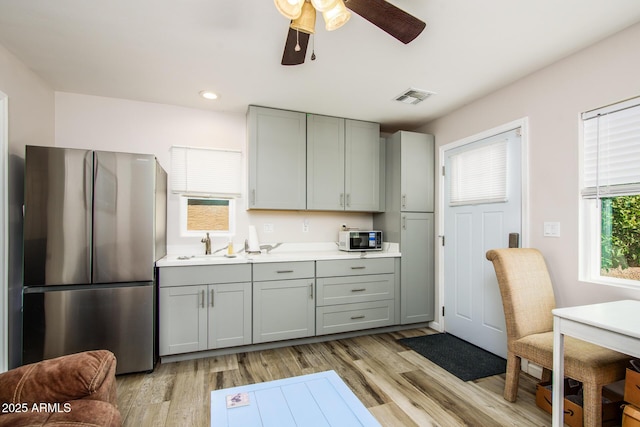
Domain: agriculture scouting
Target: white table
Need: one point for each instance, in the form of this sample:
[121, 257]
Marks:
[615, 325]
[314, 400]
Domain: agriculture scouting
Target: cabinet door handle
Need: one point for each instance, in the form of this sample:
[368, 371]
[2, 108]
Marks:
[212, 296]
[311, 290]
[404, 222]
[284, 271]
[357, 317]
[202, 298]
[341, 200]
[359, 290]
[348, 199]
[253, 196]
[361, 267]
[404, 200]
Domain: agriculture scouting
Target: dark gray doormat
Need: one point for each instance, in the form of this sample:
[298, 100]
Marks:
[464, 360]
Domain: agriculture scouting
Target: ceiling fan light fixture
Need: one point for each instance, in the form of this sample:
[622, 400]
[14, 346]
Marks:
[324, 5]
[306, 22]
[290, 9]
[336, 17]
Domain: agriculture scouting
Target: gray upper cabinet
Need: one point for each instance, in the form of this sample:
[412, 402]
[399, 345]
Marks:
[277, 158]
[412, 161]
[343, 164]
[362, 166]
[325, 163]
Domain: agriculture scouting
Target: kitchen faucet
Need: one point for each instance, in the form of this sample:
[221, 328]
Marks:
[207, 244]
[269, 248]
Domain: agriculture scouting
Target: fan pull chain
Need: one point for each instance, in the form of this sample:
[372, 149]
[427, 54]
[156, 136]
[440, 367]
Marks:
[313, 47]
[297, 48]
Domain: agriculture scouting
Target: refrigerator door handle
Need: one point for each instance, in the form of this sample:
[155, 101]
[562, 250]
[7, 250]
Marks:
[88, 208]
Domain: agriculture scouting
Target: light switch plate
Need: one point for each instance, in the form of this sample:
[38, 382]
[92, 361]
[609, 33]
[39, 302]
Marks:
[551, 229]
[268, 228]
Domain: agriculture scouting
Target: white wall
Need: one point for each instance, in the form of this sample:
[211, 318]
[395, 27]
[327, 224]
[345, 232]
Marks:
[31, 121]
[552, 99]
[84, 121]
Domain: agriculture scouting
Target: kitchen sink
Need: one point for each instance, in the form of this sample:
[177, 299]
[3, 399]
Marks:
[207, 259]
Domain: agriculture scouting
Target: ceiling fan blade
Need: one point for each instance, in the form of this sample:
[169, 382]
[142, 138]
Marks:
[389, 18]
[290, 56]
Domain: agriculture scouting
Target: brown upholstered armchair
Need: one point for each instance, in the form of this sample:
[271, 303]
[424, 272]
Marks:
[78, 389]
[527, 298]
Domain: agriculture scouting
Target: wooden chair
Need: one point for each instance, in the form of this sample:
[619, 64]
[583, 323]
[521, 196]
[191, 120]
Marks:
[527, 298]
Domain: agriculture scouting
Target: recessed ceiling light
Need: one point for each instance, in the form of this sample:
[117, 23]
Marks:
[207, 94]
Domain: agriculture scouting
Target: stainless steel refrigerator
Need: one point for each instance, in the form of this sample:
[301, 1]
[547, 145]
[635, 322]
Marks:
[94, 225]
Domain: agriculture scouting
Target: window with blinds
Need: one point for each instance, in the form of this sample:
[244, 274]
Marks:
[479, 175]
[202, 171]
[611, 150]
[610, 227]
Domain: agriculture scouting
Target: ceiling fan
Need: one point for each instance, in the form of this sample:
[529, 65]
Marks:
[302, 14]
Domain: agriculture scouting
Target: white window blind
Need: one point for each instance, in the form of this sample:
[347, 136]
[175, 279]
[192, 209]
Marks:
[479, 175]
[611, 150]
[201, 171]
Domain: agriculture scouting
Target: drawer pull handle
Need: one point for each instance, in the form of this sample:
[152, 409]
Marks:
[284, 271]
[357, 317]
[203, 298]
[359, 290]
[362, 267]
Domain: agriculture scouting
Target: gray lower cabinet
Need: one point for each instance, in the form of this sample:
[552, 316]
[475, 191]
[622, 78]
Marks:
[417, 281]
[216, 306]
[283, 301]
[355, 294]
[195, 316]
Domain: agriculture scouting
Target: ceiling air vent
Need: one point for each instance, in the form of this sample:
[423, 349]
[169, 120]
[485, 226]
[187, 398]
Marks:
[413, 96]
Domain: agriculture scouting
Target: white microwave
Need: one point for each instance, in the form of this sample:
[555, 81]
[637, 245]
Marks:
[358, 240]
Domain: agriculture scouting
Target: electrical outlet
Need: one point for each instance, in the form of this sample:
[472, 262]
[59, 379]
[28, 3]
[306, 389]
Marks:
[268, 228]
[305, 225]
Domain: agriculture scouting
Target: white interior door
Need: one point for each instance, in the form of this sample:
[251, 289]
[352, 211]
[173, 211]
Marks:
[476, 220]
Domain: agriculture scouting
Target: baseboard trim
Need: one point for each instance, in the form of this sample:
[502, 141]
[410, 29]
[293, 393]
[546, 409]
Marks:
[279, 344]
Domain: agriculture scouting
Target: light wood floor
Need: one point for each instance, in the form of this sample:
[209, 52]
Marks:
[400, 387]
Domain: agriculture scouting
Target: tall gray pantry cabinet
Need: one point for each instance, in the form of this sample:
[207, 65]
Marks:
[409, 220]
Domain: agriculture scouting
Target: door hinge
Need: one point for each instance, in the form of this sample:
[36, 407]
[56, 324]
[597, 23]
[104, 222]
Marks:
[443, 174]
[442, 240]
[443, 311]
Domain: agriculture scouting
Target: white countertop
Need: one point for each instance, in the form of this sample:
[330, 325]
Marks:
[286, 252]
